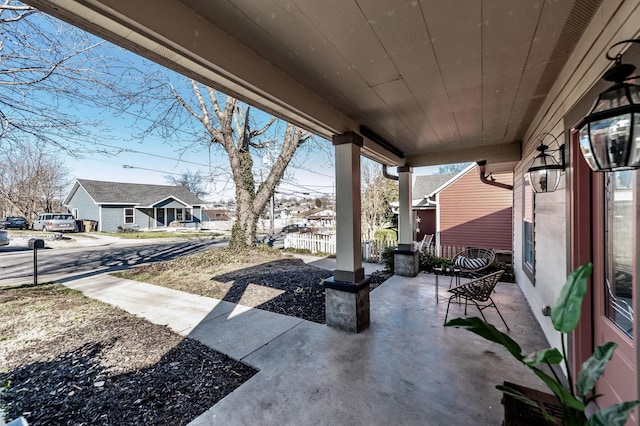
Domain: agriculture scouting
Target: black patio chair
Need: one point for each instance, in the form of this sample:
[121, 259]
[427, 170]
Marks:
[479, 292]
[473, 260]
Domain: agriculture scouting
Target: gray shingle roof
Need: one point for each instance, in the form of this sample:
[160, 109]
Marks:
[136, 193]
[426, 184]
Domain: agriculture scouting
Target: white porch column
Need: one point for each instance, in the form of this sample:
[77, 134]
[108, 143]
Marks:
[405, 214]
[347, 292]
[406, 257]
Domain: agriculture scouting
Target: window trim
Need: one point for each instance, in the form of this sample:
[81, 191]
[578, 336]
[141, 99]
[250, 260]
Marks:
[132, 215]
[528, 239]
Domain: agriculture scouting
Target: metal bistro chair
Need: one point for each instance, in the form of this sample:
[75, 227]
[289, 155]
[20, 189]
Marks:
[477, 290]
[473, 260]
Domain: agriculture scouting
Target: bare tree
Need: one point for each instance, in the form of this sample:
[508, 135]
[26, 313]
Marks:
[194, 181]
[48, 71]
[32, 180]
[452, 168]
[220, 121]
[377, 194]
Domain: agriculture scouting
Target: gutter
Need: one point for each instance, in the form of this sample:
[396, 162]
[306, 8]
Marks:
[386, 174]
[490, 180]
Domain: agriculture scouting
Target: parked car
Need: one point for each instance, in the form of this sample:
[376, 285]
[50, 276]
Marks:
[4, 238]
[15, 222]
[303, 229]
[294, 227]
[54, 222]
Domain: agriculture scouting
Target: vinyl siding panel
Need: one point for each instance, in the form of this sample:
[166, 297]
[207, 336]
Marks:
[475, 214]
[113, 216]
[87, 208]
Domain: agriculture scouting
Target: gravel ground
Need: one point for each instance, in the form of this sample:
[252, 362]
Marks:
[69, 360]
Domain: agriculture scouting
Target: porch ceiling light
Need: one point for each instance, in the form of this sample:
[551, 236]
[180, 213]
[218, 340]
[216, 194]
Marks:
[545, 169]
[610, 134]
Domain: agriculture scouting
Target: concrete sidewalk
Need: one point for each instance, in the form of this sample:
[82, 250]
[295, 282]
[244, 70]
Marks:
[405, 369]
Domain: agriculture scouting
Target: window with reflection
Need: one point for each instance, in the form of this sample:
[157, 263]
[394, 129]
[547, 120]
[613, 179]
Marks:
[620, 193]
[528, 248]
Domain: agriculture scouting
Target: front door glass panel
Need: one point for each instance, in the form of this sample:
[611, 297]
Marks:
[619, 247]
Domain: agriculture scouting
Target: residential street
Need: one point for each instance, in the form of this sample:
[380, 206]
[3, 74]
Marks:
[16, 263]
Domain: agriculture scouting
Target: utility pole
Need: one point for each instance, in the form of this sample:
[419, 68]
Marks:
[267, 160]
[272, 201]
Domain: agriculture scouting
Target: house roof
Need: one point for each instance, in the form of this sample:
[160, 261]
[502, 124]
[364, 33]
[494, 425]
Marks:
[133, 193]
[426, 184]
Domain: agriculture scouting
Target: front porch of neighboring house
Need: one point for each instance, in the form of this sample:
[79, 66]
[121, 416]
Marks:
[164, 216]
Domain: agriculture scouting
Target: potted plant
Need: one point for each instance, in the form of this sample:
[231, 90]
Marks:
[573, 401]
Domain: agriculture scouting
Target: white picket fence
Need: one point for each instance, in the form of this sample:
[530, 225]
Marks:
[371, 250]
[315, 243]
[320, 243]
[444, 251]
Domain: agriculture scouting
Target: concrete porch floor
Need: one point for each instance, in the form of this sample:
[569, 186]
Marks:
[406, 369]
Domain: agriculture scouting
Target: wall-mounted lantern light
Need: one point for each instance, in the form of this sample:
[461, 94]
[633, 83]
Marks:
[610, 134]
[545, 169]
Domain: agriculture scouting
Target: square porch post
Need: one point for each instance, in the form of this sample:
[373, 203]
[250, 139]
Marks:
[347, 292]
[405, 258]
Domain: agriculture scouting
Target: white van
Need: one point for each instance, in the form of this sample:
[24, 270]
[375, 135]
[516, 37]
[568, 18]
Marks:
[54, 222]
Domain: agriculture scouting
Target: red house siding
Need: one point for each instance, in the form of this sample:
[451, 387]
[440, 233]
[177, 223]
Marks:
[475, 214]
[427, 224]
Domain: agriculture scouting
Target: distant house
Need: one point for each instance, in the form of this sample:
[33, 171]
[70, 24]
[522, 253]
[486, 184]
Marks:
[323, 218]
[142, 206]
[216, 214]
[461, 210]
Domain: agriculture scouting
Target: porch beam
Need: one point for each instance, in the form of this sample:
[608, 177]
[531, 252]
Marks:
[506, 153]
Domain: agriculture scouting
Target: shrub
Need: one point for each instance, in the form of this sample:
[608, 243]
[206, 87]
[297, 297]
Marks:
[429, 261]
[386, 235]
[387, 258]
[508, 276]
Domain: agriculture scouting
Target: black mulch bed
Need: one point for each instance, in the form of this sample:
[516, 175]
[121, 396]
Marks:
[303, 295]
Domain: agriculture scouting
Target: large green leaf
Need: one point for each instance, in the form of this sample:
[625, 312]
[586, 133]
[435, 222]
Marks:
[558, 390]
[551, 356]
[614, 415]
[489, 332]
[566, 313]
[593, 368]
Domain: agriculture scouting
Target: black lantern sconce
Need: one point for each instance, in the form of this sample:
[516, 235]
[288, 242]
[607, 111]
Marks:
[610, 134]
[545, 170]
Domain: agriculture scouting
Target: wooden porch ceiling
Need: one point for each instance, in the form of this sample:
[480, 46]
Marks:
[440, 81]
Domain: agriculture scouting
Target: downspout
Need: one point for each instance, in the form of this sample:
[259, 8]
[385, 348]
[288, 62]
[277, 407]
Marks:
[489, 180]
[386, 174]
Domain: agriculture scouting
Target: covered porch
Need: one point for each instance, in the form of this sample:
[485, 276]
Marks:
[410, 84]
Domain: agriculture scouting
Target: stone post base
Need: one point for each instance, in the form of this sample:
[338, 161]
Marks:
[406, 262]
[347, 304]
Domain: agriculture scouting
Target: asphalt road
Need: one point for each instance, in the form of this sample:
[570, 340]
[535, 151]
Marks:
[17, 267]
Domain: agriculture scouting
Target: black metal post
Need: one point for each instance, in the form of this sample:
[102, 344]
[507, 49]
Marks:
[35, 266]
